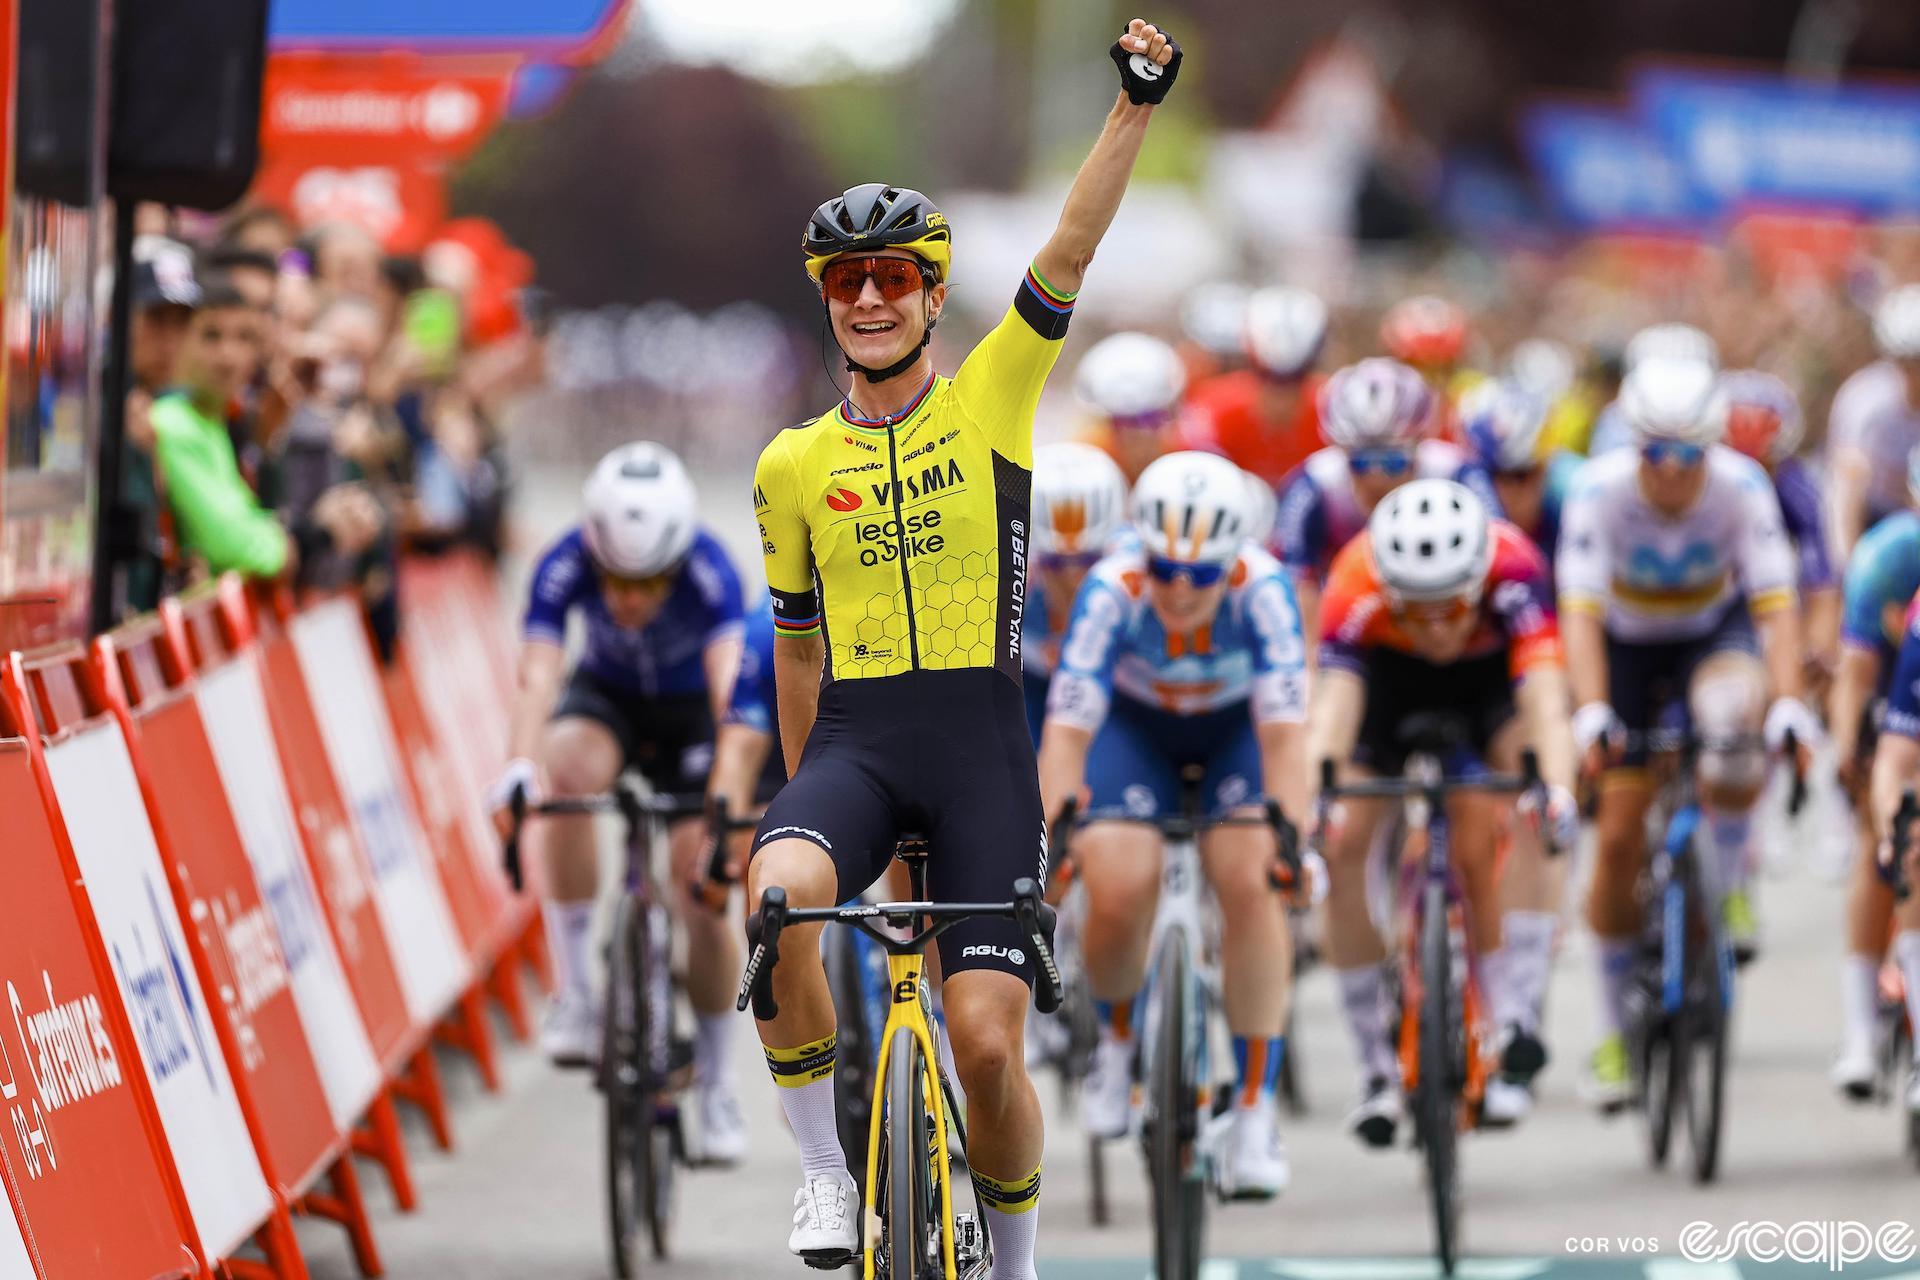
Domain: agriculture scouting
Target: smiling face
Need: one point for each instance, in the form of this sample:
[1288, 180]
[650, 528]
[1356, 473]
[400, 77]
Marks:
[1182, 607]
[874, 332]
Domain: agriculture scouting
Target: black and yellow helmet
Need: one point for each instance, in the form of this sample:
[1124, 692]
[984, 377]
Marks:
[874, 216]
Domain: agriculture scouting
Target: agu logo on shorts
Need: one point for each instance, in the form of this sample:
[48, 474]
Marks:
[843, 500]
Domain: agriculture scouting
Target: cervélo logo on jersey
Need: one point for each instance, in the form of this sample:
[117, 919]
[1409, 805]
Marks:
[930, 480]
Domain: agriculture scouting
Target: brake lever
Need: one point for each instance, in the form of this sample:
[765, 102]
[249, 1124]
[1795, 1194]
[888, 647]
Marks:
[714, 888]
[510, 850]
[756, 984]
[1901, 838]
[1036, 919]
[1287, 838]
[1797, 793]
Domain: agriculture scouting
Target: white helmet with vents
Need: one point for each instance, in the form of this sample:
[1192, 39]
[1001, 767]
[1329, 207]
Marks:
[640, 511]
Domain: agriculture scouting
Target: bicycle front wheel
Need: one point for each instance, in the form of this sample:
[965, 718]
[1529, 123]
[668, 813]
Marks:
[853, 1049]
[1179, 1200]
[909, 1205]
[1437, 1098]
[629, 1137]
[1702, 1046]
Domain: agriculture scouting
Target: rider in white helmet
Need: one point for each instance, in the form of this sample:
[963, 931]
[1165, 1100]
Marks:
[1874, 424]
[1184, 650]
[1079, 513]
[661, 605]
[1213, 318]
[1438, 608]
[1377, 417]
[1266, 417]
[1676, 580]
[1667, 344]
[1132, 383]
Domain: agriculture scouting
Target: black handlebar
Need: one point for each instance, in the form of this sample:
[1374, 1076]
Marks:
[1797, 792]
[633, 807]
[928, 919]
[1894, 872]
[510, 851]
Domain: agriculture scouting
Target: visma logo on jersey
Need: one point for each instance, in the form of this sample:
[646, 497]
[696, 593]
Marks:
[931, 480]
[843, 500]
[881, 541]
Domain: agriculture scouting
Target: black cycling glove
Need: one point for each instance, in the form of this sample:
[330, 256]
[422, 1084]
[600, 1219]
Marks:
[1146, 82]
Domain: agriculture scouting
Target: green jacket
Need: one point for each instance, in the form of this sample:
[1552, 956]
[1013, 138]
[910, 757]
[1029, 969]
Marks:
[215, 514]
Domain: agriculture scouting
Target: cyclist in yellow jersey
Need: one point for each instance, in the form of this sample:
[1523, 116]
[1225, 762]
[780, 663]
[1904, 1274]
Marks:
[895, 535]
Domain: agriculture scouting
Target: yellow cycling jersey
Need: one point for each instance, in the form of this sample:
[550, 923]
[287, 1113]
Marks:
[904, 539]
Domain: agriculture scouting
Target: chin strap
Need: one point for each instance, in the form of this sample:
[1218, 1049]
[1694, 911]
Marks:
[899, 366]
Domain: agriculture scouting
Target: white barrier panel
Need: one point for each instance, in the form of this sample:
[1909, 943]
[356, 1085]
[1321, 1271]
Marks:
[338, 664]
[14, 1262]
[113, 843]
[235, 714]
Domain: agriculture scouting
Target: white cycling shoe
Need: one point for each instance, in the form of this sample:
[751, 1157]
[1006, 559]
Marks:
[1250, 1160]
[723, 1125]
[826, 1215]
[1505, 1103]
[1378, 1115]
[1106, 1095]
[1854, 1071]
[570, 1033]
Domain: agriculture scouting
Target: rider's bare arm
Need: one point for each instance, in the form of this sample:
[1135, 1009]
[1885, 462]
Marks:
[1333, 725]
[1063, 764]
[1095, 195]
[1286, 773]
[1584, 633]
[1544, 701]
[1894, 762]
[1847, 484]
[1780, 648]
[1854, 681]
[797, 662]
[721, 662]
[543, 668]
[1823, 625]
[1306, 594]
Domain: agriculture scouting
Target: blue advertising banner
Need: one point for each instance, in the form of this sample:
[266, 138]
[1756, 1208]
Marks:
[1745, 137]
[551, 28]
[1600, 170]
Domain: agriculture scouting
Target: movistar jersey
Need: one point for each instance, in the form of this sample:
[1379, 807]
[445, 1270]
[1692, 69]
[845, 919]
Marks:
[1881, 580]
[904, 539]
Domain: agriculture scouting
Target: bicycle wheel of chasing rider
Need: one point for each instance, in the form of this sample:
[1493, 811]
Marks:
[1442, 1068]
[638, 1149]
[1173, 1119]
[853, 1048]
[907, 1198]
[1701, 1047]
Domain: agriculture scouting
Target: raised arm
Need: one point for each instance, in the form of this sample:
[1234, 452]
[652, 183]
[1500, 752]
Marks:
[1095, 196]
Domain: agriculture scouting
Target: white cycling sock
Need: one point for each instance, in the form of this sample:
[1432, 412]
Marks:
[1527, 938]
[1731, 834]
[1012, 1213]
[1363, 994]
[712, 1038]
[1496, 983]
[570, 942]
[1859, 999]
[1616, 972]
[810, 1114]
[1906, 949]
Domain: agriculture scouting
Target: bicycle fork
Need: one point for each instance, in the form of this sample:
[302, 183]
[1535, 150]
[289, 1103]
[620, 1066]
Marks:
[909, 991]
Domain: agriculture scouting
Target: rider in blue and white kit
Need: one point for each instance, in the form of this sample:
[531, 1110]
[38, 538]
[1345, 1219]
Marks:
[1184, 650]
[660, 601]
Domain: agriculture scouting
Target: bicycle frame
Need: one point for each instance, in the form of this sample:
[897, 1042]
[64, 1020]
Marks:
[909, 1008]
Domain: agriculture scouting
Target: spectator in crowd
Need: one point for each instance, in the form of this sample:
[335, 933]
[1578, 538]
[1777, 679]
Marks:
[165, 294]
[263, 228]
[220, 522]
[346, 261]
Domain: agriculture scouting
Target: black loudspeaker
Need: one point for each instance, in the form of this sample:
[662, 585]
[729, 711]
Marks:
[186, 100]
[58, 75]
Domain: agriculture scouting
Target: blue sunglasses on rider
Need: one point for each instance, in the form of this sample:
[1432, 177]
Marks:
[1660, 451]
[1161, 569]
[1388, 462]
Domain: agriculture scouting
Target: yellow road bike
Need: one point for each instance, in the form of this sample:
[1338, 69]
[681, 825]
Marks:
[909, 1228]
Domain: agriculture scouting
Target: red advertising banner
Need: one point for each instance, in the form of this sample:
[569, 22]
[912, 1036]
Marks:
[380, 109]
[400, 204]
[78, 1131]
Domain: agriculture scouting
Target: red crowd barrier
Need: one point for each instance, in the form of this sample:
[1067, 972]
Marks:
[243, 856]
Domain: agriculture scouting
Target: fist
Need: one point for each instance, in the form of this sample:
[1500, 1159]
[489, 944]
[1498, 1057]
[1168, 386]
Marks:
[1149, 60]
[1150, 43]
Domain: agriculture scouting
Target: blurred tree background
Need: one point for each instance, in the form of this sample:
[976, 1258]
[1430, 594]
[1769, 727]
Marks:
[656, 179]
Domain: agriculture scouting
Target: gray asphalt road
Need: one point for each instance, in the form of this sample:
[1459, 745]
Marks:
[1567, 1195]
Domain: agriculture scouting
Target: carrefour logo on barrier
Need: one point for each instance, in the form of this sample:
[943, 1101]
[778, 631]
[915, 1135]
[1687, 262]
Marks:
[249, 965]
[160, 1000]
[69, 1057]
